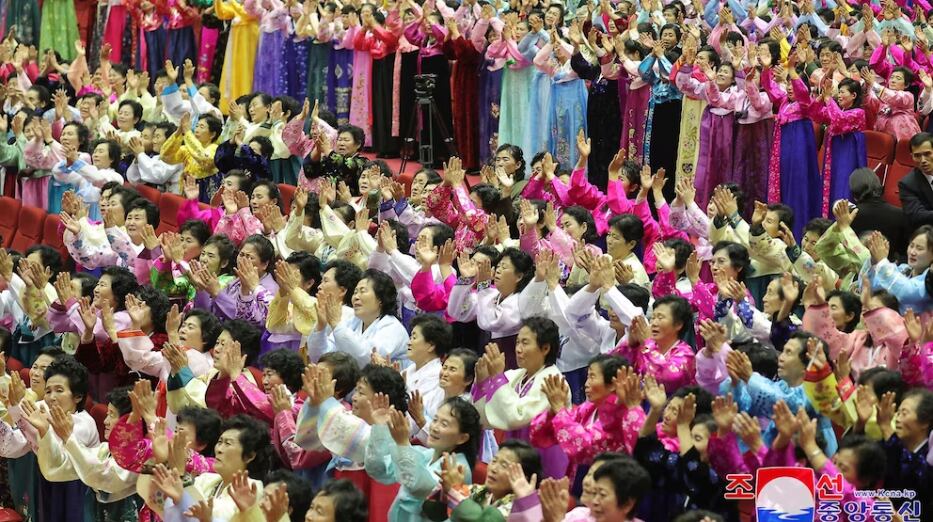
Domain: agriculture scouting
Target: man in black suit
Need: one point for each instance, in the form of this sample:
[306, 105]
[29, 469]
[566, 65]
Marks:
[917, 187]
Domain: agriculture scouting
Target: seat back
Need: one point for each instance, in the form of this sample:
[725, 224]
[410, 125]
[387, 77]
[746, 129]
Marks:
[9, 218]
[52, 232]
[168, 212]
[151, 193]
[892, 193]
[880, 150]
[287, 193]
[29, 230]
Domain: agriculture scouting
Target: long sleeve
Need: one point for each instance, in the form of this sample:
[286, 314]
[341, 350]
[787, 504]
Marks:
[333, 427]
[495, 315]
[238, 396]
[283, 436]
[506, 410]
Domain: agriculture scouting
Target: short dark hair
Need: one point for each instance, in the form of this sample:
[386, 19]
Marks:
[871, 459]
[198, 230]
[609, 365]
[883, 380]
[440, 233]
[681, 312]
[87, 281]
[288, 364]
[247, 335]
[344, 370]
[254, 439]
[349, 502]
[384, 290]
[309, 266]
[468, 358]
[355, 132]
[210, 326]
[120, 398]
[151, 210]
[852, 304]
[207, 423]
[346, 275]
[226, 250]
[76, 373]
[682, 250]
[528, 456]
[135, 106]
[385, 380]
[523, 264]
[785, 214]
[818, 225]
[299, 491]
[158, 305]
[546, 333]
[629, 480]
[704, 399]
[924, 405]
[122, 284]
[629, 225]
[435, 331]
[113, 150]
[168, 128]
[50, 257]
[738, 258]
[636, 294]
[271, 187]
[214, 125]
[919, 139]
[264, 248]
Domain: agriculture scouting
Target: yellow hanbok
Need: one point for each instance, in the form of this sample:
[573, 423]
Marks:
[240, 56]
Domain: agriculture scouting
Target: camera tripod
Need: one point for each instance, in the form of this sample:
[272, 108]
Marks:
[426, 106]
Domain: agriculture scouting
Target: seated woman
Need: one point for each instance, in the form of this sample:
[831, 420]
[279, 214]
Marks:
[291, 312]
[243, 453]
[374, 327]
[510, 400]
[495, 308]
[907, 281]
[453, 442]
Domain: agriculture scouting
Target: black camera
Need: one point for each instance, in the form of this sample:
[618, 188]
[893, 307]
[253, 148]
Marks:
[424, 85]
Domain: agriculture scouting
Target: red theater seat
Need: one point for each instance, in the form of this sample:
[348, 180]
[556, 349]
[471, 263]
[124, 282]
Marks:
[880, 149]
[287, 192]
[151, 193]
[168, 212]
[29, 231]
[52, 236]
[9, 219]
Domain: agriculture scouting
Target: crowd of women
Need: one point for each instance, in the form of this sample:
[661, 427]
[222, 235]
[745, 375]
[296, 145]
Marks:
[675, 290]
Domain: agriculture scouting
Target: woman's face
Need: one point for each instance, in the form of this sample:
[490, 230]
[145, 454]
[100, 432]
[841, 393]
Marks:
[444, 432]
[897, 81]
[453, 377]
[772, 302]
[58, 392]
[845, 97]
[582, 15]
[700, 435]
[919, 254]
[522, 29]
[663, 327]
[231, 183]
[249, 253]
[906, 424]
[126, 120]
[270, 379]
[228, 455]
[103, 291]
[202, 132]
[419, 350]
[362, 396]
[589, 485]
[827, 58]
[418, 187]
[605, 506]
[724, 76]
[572, 227]
[224, 341]
[365, 303]
[616, 244]
[596, 387]
[506, 162]
[838, 313]
[191, 245]
[721, 265]
[37, 374]
[847, 463]
[346, 145]
[528, 353]
[497, 473]
[321, 510]
[189, 333]
[551, 16]
[136, 221]
[259, 198]
[210, 257]
[101, 156]
[669, 38]
[506, 277]
[113, 415]
[257, 110]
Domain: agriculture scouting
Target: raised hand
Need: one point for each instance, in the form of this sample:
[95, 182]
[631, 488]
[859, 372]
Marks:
[452, 473]
[168, 482]
[638, 331]
[748, 429]
[203, 511]
[62, 423]
[244, 493]
[628, 387]
[555, 498]
[274, 504]
[739, 366]
[280, 398]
